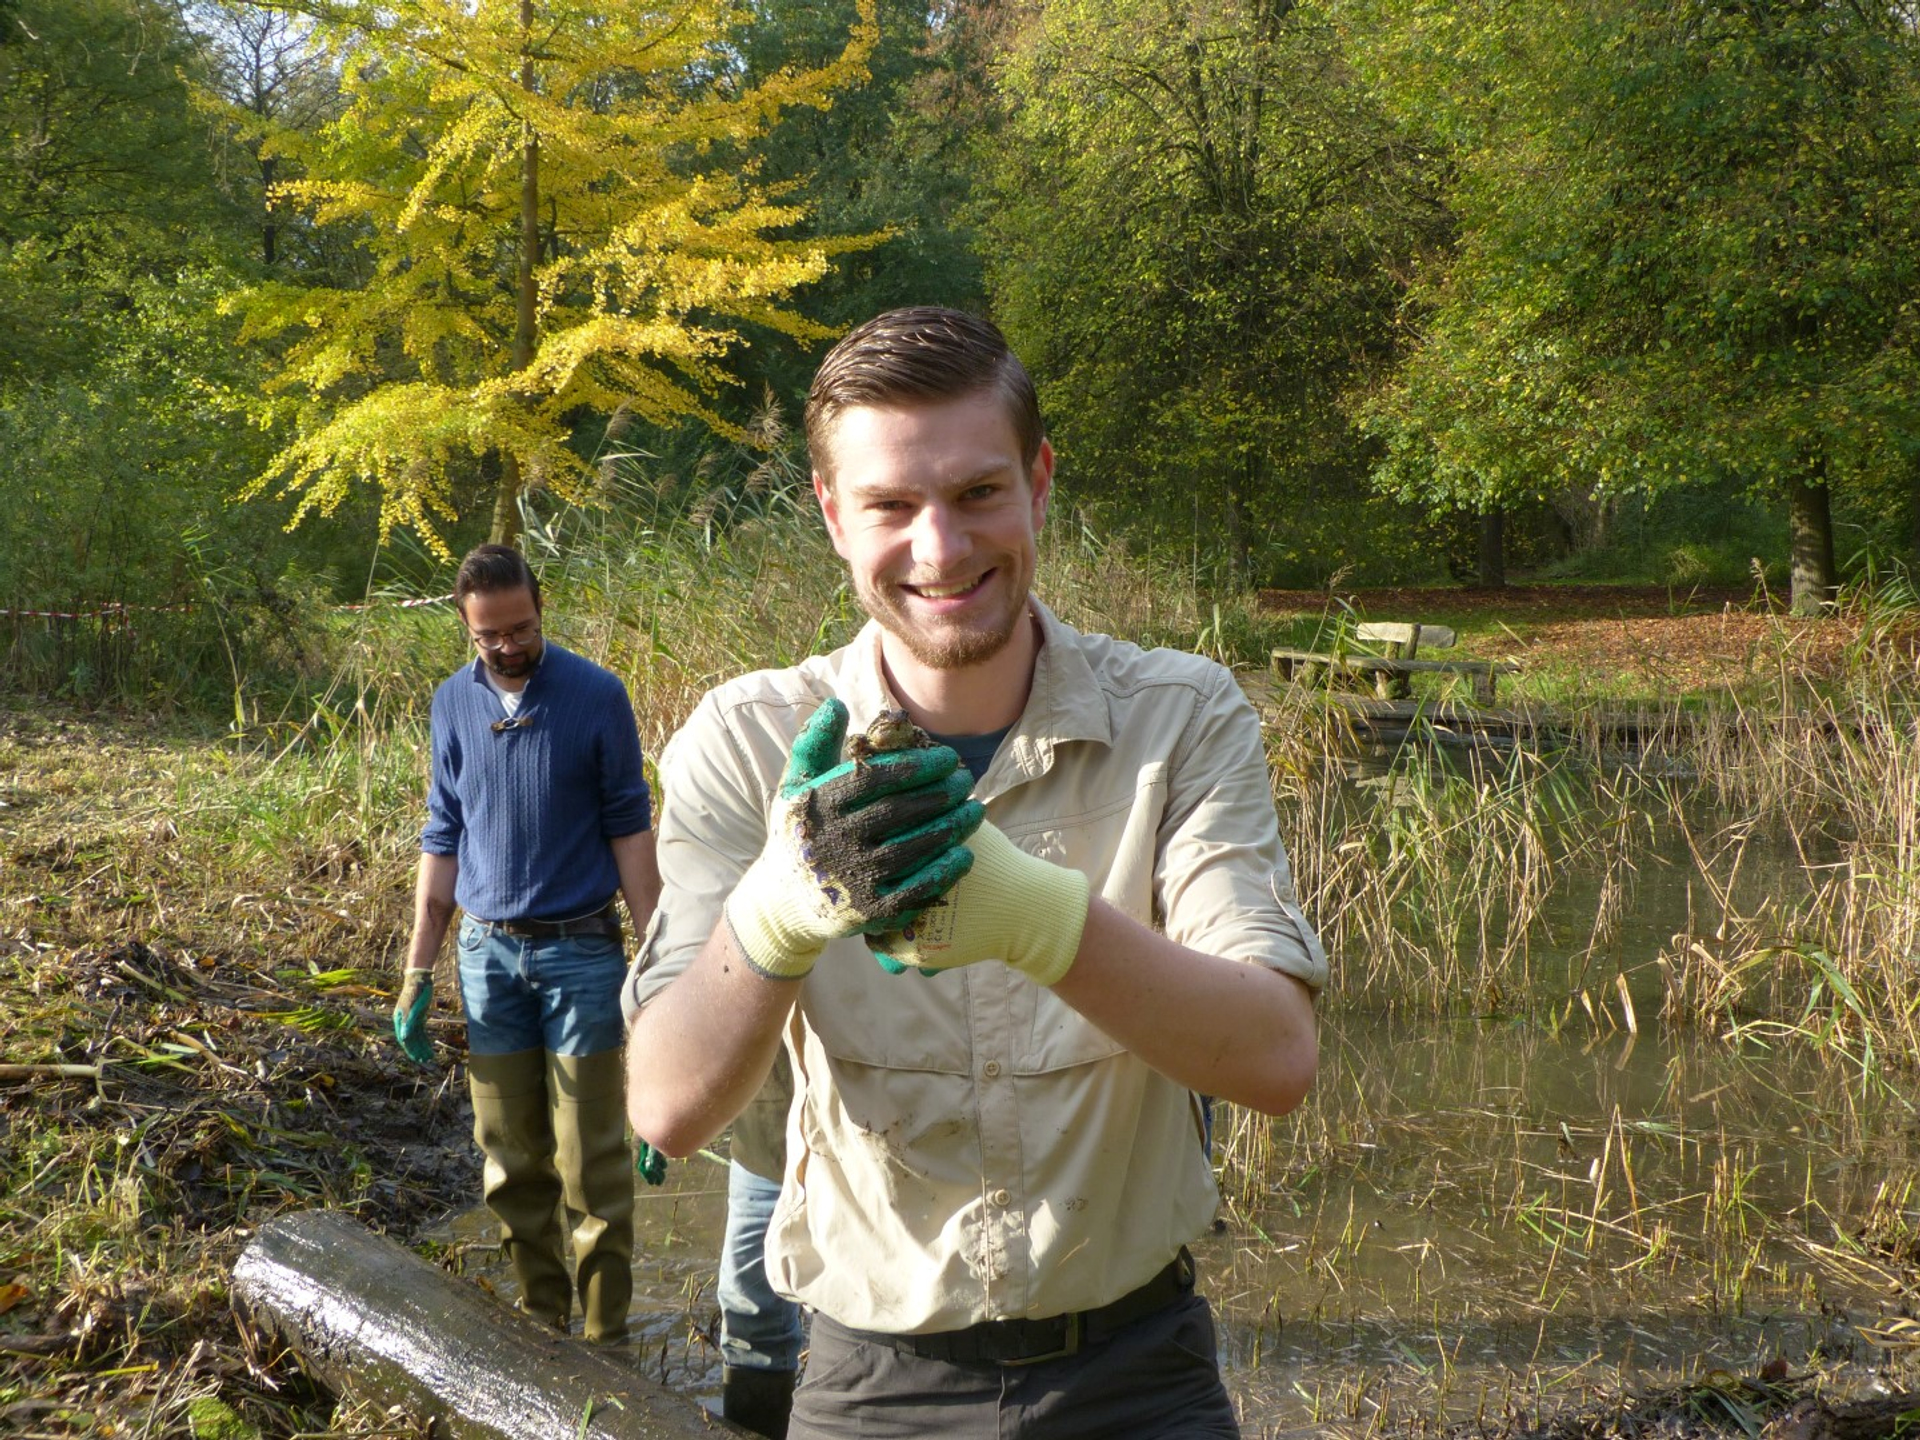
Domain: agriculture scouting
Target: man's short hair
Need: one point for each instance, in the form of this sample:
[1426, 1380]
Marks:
[923, 354]
[489, 568]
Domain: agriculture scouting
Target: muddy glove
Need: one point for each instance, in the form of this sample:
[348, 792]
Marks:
[649, 1164]
[410, 1016]
[852, 846]
[1011, 907]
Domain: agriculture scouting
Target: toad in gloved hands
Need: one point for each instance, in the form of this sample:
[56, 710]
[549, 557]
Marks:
[853, 846]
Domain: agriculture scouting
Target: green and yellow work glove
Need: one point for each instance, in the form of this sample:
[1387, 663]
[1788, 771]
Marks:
[1011, 907]
[853, 846]
[410, 1016]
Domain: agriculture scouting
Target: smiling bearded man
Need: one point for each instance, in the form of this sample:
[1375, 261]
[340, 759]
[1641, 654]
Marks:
[990, 1175]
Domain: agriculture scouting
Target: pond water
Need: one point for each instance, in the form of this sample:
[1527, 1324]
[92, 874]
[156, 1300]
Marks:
[1478, 1215]
[1488, 1211]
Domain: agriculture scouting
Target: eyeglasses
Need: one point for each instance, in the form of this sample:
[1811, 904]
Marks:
[523, 635]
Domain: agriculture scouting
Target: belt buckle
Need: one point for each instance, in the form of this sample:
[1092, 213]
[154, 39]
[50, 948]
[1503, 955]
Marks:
[1070, 1347]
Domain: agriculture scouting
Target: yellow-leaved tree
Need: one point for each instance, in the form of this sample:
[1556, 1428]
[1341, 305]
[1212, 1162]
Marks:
[554, 221]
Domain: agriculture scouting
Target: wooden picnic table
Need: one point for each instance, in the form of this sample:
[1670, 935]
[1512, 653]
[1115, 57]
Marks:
[1392, 670]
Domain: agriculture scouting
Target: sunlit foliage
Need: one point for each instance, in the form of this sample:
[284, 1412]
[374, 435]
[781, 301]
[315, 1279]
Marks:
[548, 235]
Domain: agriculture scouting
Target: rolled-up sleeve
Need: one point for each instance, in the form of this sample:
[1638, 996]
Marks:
[626, 806]
[1223, 883]
[711, 825]
[445, 818]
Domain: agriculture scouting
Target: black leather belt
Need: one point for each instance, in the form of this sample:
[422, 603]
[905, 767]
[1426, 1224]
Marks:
[1027, 1342]
[604, 921]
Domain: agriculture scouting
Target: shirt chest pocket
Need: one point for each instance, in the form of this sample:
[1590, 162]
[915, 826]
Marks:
[1116, 845]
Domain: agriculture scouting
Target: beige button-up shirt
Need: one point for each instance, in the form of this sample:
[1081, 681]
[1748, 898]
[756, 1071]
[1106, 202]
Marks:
[968, 1147]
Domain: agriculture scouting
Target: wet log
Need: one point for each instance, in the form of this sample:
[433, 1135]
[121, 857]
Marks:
[368, 1316]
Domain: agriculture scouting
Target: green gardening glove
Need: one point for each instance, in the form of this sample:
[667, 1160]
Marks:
[649, 1164]
[852, 846]
[1011, 907]
[410, 1016]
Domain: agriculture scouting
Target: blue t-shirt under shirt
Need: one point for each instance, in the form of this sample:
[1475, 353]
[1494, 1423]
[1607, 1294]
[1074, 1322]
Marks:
[976, 751]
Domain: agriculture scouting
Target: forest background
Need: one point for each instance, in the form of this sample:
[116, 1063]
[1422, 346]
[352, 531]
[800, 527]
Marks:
[297, 301]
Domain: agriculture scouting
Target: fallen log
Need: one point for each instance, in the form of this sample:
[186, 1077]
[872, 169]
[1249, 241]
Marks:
[367, 1315]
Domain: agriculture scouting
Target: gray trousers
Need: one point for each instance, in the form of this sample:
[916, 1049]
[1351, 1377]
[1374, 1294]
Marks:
[1156, 1379]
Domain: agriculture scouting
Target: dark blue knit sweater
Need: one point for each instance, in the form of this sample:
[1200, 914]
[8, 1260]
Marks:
[528, 811]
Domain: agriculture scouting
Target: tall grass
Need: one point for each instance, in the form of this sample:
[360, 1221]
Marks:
[676, 598]
[1501, 884]
[1445, 884]
[1833, 770]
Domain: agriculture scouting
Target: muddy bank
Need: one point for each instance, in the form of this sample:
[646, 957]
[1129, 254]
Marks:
[221, 1095]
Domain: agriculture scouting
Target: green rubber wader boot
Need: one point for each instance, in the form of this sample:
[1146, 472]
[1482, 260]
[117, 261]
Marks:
[758, 1400]
[596, 1169]
[514, 1131]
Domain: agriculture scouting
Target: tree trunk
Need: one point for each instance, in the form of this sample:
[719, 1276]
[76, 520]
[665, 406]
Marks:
[1490, 567]
[506, 502]
[269, 229]
[370, 1317]
[1239, 543]
[506, 505]
[1810, 520]
[1913, 508]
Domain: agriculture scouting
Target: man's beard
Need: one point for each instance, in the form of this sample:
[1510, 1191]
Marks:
[517, 668]
[944, 647]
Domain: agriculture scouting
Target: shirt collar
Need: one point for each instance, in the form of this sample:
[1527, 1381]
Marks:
[1066, 702]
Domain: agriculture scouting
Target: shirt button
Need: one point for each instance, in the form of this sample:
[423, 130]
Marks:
[1001, 1198]
[992, 1069]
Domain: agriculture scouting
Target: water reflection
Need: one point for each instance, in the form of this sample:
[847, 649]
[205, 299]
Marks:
[1466, 1212]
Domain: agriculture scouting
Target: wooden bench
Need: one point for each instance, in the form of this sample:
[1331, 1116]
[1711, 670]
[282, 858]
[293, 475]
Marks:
[1392, 670]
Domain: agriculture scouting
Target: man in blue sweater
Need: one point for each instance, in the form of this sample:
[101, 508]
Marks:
[537, 812]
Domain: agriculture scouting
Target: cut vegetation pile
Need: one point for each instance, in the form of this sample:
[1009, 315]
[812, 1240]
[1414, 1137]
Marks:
[183, 1054]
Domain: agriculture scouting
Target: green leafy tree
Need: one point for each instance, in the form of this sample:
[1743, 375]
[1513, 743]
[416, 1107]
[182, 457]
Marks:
[105, 178]
[889, 159]
[265, 70]
[122, 422]
[550, 233]
[1690, 250]
[1197, 230]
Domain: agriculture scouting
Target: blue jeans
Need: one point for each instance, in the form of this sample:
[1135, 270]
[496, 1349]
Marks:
[561, 995]
[759, 1328]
